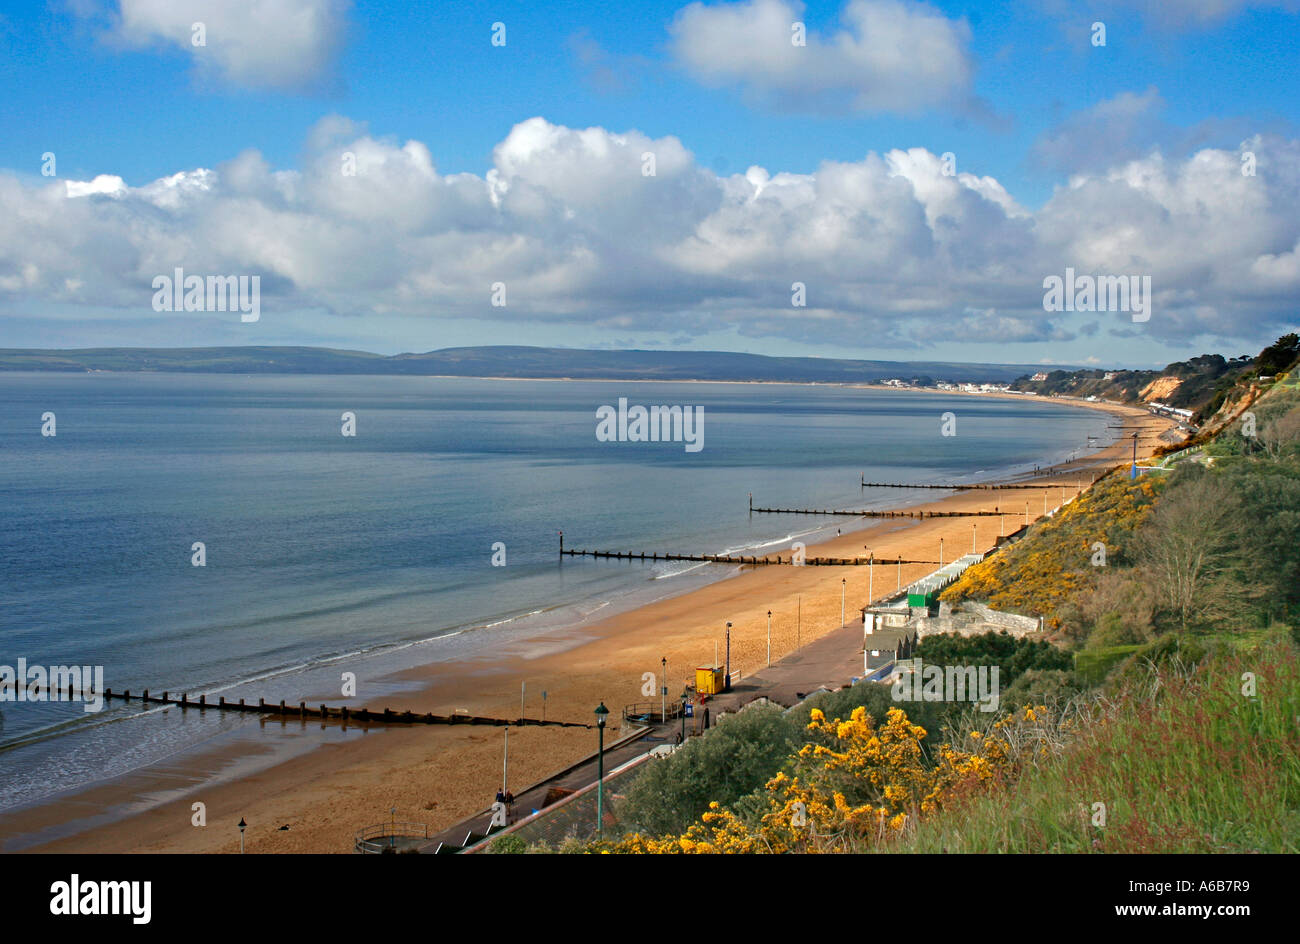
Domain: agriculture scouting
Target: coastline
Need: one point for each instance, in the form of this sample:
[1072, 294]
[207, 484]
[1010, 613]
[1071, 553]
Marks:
[438, 776]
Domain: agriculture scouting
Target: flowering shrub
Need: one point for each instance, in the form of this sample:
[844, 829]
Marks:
[858, 781]
[1041, 573]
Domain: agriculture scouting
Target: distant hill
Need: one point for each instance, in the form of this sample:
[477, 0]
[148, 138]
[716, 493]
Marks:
[510, 361]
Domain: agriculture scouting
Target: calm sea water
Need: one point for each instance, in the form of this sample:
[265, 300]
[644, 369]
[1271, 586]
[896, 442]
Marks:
[376, 550]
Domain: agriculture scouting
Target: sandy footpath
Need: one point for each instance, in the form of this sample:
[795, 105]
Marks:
[437, 775]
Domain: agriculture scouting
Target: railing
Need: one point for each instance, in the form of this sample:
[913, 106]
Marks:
[370, 839]
[652, 711]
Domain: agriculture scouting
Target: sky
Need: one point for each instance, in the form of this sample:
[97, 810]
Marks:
[874, 179]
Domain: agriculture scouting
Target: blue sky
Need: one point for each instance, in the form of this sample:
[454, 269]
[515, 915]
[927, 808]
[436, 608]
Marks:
[115, 90]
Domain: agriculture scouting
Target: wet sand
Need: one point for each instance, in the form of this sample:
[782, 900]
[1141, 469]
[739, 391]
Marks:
[439, 775]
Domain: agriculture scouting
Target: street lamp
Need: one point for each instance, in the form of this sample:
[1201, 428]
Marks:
[726, 682]
[844, 586]
[871, 575]
[769, 638]
[601, 712]
[940, 552]
[663, 700]
[242, 827]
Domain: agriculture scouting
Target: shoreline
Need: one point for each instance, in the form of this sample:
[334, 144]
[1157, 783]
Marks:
[333, 786]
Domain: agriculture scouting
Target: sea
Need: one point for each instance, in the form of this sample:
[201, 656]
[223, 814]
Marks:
[429, 534]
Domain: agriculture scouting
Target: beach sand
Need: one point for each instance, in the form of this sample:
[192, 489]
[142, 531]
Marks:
[438, 775]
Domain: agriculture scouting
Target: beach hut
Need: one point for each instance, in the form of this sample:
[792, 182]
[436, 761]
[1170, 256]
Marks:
[709, 679]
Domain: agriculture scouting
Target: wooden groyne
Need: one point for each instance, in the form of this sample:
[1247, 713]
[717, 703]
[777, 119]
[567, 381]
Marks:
[303, 710]
[859, 513]
[736, 559]
[953, 488]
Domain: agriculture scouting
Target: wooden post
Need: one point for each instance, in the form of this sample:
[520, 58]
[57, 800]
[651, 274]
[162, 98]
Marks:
[203, 701]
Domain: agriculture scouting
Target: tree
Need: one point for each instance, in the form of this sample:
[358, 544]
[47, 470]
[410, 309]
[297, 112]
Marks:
[1185, 547]
[1279, 355]
[1279, 436]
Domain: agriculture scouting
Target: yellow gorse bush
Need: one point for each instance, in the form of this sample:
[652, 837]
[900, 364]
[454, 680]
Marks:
[1050, 566]
[810, 809]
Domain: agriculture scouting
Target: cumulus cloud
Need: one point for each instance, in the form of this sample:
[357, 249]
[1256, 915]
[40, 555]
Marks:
[887, 57]
[891, 250]
[1115, 129]
[277, 44]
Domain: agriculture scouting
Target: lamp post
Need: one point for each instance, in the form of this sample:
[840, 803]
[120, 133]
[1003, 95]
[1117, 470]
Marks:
[392, 831]
[601, 712]
[1026, 513]
[940, 552]
[769, 638]
[726, 682]
[798, 623]
[844, 586]
[663, 699]
[973, 539]
[242, 827]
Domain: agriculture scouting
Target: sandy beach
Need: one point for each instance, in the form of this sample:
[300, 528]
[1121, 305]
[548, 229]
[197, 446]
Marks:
[437, 775]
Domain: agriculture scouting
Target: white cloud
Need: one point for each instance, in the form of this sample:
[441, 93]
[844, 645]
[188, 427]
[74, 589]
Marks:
[110, 184]
[891, 251]
[277, 44]
[1115, 129]
[888, 57]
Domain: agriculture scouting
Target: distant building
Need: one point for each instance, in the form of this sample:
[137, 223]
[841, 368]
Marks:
[1038, 377]
[1109, 375]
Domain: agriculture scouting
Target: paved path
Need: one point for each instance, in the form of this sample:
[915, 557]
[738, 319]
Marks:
[832, 661]
[571, 779]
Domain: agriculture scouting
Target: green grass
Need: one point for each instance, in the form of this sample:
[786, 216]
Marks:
[1093, 664]
[1183, 761]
